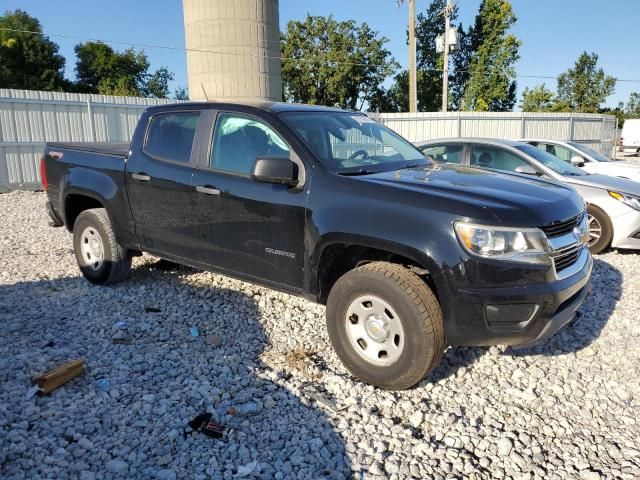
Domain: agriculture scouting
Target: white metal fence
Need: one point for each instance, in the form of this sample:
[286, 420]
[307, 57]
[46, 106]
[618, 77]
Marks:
[28, 119]
[595, 130]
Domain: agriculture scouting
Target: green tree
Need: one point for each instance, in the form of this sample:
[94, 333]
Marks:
[181, 93]
[396, 97]
[460, 59]
[618, 112]
[585, 87]
[28, 61]
[101, 69]
[491, 84]
[429, 63]
[632, 109]
[326, 62]
[158, 83]
[537, 99]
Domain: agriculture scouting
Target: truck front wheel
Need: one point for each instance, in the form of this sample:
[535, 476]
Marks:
[100, 258]
[385, 324]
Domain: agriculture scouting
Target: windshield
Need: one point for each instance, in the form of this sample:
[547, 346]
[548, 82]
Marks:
[352, 143]
[597, 156]
[549, 161]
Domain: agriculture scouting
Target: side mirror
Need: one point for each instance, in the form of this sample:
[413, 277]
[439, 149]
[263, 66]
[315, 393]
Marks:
[276, 170]
[577, 161]
[526, 169]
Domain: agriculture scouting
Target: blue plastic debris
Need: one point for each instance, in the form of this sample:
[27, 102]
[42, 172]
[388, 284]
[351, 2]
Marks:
[102, 384]
[194, 331]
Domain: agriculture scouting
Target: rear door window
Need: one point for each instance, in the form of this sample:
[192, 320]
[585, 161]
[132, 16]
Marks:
[559, 151]
[444, 153]
[170, 136]
[495, 157]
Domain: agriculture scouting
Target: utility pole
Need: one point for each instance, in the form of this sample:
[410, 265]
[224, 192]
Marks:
[445, 70]
[413, 93]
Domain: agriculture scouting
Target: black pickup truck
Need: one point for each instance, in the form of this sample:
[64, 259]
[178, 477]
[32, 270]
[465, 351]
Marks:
[408, 256]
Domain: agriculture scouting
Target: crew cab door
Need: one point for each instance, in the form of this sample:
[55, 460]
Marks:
[159, 183]
[253, 230]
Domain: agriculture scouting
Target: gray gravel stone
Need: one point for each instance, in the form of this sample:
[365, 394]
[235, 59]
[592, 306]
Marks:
[567, 408]
[117, 466]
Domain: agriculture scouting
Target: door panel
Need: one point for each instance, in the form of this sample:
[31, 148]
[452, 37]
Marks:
[250, 228]
[159, 185]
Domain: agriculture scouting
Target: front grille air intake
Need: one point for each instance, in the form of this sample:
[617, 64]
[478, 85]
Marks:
[562, 228]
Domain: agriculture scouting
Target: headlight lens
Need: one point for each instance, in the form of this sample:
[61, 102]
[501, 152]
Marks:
[629, 200]
[502, 243]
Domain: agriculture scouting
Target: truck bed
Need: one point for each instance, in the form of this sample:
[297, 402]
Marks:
[120, 149]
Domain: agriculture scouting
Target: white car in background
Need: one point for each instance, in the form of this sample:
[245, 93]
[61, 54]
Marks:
[630, 135]
[613, 204]
[587, 158]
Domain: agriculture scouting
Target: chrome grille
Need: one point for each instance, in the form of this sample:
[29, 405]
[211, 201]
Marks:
[562, 228]
[567, 257]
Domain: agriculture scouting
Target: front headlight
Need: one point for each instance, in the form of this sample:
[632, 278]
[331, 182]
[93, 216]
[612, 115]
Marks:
[504, 243]
[629, 200]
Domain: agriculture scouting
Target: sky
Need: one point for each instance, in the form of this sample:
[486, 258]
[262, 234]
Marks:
[553, 32]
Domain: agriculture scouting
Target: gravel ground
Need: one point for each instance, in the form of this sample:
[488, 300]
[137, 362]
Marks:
[566, 409]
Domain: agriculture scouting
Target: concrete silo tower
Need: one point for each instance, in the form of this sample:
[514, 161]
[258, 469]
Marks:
[233, 49]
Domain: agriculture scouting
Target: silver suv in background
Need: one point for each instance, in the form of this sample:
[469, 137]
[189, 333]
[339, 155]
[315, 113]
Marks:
[587, 158]
[613, 204]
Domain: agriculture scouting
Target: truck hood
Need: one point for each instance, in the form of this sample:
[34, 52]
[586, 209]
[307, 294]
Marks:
[511, 199]
[597, 180]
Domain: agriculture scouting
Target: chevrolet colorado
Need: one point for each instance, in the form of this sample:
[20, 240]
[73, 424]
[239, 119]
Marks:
[407, 255]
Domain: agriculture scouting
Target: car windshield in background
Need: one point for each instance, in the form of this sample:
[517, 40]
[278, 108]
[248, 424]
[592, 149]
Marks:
[597, 156]
[549, 161]
[352, 143]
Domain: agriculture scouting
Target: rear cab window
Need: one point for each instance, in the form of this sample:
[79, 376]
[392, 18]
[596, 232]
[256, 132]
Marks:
[170, 136]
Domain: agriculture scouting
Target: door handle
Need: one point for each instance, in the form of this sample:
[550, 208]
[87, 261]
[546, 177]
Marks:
[143, 177]
[207, 190]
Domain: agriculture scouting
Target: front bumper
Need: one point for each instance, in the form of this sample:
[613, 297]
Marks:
[560, 319]
[518, 315]
[626, 229]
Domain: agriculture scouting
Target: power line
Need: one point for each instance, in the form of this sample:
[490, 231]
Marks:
[273, 57]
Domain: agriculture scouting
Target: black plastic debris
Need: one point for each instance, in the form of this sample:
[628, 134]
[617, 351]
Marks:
[203, 424]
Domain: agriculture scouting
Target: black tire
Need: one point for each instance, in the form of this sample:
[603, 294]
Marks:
[418, 311]
[117, 261]
[597, 217]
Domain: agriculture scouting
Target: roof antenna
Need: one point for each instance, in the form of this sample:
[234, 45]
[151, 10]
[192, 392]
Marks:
[204, 91]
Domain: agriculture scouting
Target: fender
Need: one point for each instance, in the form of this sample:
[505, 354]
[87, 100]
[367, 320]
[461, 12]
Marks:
[102, 187]
[420, 258]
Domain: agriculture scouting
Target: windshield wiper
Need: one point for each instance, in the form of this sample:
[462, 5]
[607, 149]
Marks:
[359, 171]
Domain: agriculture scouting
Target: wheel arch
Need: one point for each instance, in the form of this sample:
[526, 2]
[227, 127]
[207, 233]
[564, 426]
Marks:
[336, 254]
[76, 201]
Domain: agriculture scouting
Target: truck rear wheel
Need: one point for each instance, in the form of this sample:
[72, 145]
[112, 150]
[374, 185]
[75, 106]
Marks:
[386, 325]
[100, 258]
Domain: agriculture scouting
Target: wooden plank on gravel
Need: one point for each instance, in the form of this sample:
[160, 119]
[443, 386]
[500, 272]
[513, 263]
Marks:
[52, 379]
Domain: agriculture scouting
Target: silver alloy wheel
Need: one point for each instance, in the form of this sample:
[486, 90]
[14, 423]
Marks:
[375, 330]
[595, 229]
[92, 248]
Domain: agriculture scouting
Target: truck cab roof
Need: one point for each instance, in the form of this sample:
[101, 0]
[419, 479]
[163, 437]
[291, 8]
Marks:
[273, 107]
